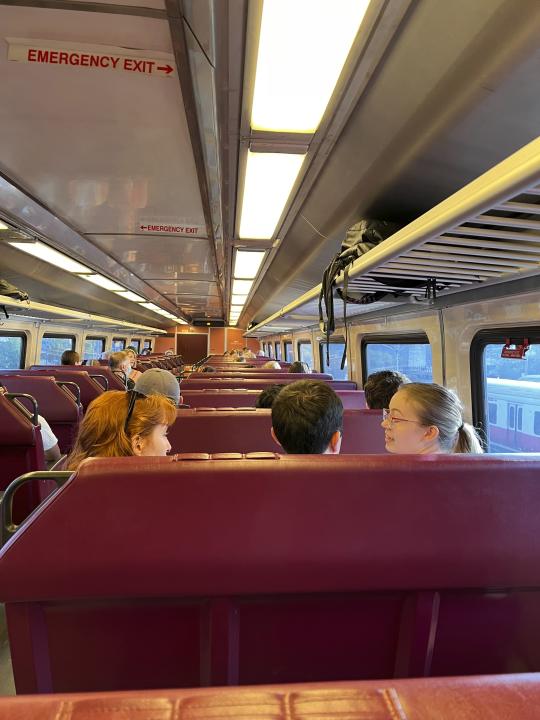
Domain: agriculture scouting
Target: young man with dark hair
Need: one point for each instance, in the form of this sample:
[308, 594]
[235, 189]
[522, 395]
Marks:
[381, 386]
[307, 419]
[268, 395]
[70, 357]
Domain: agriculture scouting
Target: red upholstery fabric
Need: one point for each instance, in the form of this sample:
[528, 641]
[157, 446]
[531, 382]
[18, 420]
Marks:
[160, 572]
[196, 382]
[55, 405]
[248, 430]
[351, 399]
[114, 382]
[495, 697]
[275, 375]
[89, 388]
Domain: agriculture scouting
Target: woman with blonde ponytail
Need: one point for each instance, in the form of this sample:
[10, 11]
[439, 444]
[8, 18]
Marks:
[427, 418]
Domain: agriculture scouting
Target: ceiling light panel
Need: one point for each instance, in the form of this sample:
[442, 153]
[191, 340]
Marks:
[238, 299]
[150, 306]
[303, 45]
[268, 184]
[247, 263]
[47, 254]
[128, 295]
[3, 226]
[103, 282]
[242, 287]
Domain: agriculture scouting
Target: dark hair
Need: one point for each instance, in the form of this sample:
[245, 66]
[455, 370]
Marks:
[381, 386]
[208, 368]
[268, 395]
[305, 415]
[298, 367]
[70, 357]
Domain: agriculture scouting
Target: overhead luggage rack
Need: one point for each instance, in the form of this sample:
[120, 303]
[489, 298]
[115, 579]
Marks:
[487, 232]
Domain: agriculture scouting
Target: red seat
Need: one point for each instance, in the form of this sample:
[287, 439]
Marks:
[206, 382]
[188, 571]
[248, 430]
[512, 697]
[55, 403]
[351, 399]
[90, 388]
[96, 373]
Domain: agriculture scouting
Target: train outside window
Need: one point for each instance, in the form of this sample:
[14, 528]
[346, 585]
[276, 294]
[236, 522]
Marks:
[334, 366]
[52, 347]
[118, 344]
[413, 359]
[270, 350]
[136, 344]
[278, 351]
[288, 351]
[512, 385]
[93, 347]
[12, 351]
[147, 345]
[305, 352]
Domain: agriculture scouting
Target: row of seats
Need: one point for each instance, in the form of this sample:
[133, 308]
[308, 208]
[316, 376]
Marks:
[206, 381]
[248, 430]
[489, 697]
[230, 398]
[213, 570]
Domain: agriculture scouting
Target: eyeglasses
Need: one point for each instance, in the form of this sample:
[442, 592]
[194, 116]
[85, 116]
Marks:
[393, 420]
[133, 397]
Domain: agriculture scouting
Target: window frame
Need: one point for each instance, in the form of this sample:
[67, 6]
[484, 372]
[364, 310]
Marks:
[418, 338]
[57, 336]
[124, 340]
[490, 336]
[288, 343]
[23, 336]
[336, 340]
[95, 337]
[145, 346]
[277, 344]
[299, 353]
[138, 341]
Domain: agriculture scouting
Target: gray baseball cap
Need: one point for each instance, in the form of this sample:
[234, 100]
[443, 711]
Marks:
[157, 381]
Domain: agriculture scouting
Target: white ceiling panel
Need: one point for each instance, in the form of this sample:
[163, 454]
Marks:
[153, 257]
[185, 288]
[103, 149]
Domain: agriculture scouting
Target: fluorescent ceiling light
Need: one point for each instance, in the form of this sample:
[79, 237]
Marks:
[237, 308]
[303, 45]
[47, 254]
[128, 295]
[242, 287]
[238, 299]
[268, 184]
[247, 263]
[150, 306]
[103, 282]
[3, 226]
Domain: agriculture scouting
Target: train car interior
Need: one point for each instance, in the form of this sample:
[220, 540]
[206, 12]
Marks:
[253, 206]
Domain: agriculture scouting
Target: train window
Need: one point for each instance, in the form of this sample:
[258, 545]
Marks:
[334, 366]
[305, 352]
[147, 345]
[12, 350]
[278, 351]
[270, 350]
[512, 385]
[52, 347]
[93, 347]
[264, 348]
[118, 344]
[288, 351]
[409, 355]
[136, 344]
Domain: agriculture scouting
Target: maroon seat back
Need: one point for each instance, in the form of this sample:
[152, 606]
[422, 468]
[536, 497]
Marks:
[207, 382]
[248, 430]
[89, 387]
[55, 404]
[96, 373]
[351, 399]
[274, 375]
[276, 569]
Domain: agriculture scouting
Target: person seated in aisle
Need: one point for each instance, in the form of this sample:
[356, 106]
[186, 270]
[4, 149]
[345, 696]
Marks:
[133, 374]
[268, 395]
[299, 367]
[70, 357]
[120, 365]
[307, 419]
[427, 418]
[381, 386]
[119, 424]
[157, 381]
[271, 365]
[48, 438]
